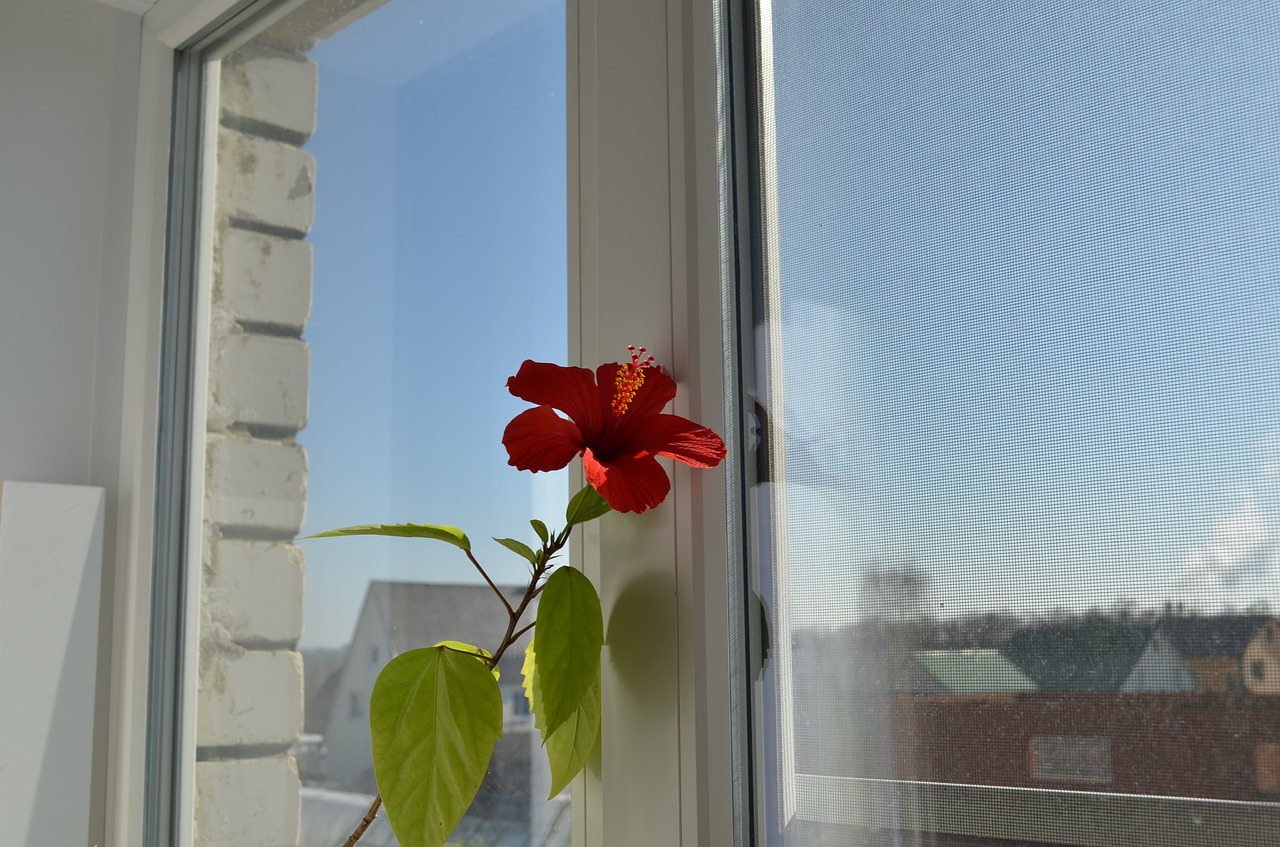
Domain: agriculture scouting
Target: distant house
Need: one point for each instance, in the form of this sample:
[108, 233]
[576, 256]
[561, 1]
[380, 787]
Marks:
[1229, 653]
[971, 672]
[401, 616]
[1099, 656]
[1261, 662]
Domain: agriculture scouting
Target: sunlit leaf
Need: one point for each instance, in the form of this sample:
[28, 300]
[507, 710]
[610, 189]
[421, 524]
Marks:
[569, 634]
[449, 534]
[528, 671]
[519, 548]
[570, 746]
[586, 505]
[481, 654]
[434, 717]
[540, 528]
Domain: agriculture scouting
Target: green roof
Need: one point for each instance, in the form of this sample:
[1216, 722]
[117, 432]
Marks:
[1095, 656]
[973, 671]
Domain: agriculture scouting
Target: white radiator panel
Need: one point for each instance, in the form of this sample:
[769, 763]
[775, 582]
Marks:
[50, 576]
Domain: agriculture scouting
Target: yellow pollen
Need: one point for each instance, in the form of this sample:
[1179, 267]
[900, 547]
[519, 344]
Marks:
[625, 386]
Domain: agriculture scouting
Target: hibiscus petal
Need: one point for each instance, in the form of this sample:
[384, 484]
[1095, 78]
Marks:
[627, 484]
[680, 439]
[571, 390]
[538, 439]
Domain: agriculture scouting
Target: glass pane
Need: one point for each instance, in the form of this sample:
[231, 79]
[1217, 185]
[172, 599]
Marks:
[1021, 381]
[388, 244]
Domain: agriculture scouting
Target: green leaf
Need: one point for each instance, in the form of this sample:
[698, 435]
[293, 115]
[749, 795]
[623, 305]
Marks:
[540, 528]
[570, 746]
[586, 505]
[519, 548]
[479, 653]
[569, 634]
[528, 671]
[449, 534]
[434, 716]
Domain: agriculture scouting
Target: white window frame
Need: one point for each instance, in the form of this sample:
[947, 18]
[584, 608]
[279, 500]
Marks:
[645, 268]
[644, 221]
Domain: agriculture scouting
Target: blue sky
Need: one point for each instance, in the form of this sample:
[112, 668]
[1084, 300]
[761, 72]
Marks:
[1028, 261]
[440, 265]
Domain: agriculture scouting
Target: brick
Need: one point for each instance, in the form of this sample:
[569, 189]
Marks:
[254, 590]
[258, 380]
[272, 90]
[260, 485]
[247, 697]
[247, 802]
[266, 182]
[263, 279]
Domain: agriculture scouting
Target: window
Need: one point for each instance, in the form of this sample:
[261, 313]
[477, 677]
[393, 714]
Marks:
[381, 242]
[1016, 380]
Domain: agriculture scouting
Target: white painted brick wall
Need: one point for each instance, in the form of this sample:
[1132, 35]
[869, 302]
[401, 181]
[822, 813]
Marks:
[274, 90]
[258, 484]
[263, 279]
[253, 590]
[250, 690]
[266, 182]
[247, 803]
[258, 379]
[248, 697]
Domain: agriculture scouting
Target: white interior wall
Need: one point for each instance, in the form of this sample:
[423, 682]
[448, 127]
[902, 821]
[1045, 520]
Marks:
[69, 85]
[58, 64]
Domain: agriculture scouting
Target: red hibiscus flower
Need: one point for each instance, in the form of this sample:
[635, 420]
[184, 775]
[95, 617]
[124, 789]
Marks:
[615, 423]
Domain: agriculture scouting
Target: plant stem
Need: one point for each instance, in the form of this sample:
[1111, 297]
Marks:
[358, 832]
[501, 596]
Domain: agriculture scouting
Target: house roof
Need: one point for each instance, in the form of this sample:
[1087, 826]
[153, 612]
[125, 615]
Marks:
[1219, 636]
[420, 614]
[1095, 656]
[973, 671]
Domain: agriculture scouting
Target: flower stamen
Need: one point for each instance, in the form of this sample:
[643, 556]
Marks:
[629, 379]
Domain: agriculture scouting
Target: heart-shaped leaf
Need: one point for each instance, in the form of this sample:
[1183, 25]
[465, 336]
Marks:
[569, 634]
[449, 534]
[434, 716]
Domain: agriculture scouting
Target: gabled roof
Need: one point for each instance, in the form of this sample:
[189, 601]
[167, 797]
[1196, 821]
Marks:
[1219, 636]
[973, 671]
[419, 614]
[1094, 656]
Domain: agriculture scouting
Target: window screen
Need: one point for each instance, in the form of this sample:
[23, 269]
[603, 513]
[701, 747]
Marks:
[1018, 503]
